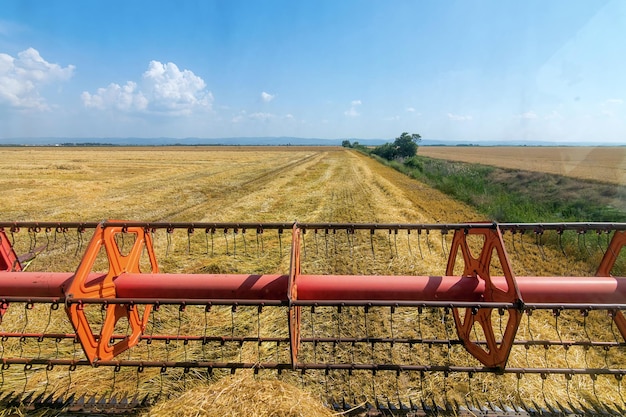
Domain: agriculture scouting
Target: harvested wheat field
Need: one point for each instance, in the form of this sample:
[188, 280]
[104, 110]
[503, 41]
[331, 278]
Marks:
[283, 184]
[603, 164]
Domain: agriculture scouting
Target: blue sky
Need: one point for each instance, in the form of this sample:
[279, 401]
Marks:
[452, 70]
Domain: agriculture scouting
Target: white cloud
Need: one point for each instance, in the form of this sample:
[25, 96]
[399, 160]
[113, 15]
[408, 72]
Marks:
[164, 89]
[239, 117]
[125, 98]
[352, 112]
[267, 97]
[528, 115]
[263, 117]
[22, 77]
[614, 101]
[391, 118]
[459, 117]
[413, 111]
[258, 116]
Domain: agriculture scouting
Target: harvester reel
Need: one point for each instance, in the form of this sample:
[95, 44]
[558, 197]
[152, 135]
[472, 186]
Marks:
[496, 352]
[351, 322]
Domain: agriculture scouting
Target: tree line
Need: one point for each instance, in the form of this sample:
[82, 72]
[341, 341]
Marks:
[404, 146]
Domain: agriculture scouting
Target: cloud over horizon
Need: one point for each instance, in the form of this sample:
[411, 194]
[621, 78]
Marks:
[22, 78]
[164, 89]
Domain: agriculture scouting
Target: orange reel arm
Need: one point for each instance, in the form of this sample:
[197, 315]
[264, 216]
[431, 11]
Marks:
[99, 347]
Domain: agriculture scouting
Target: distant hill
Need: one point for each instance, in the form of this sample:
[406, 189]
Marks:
[238, 141]
[268, 141]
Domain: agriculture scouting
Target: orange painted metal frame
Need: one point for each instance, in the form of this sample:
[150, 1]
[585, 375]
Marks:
[292, 293]
[604, 270]
[497, 352]
[101, 347]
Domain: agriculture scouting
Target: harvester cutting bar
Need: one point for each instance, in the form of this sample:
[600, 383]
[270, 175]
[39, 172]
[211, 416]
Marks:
[472, 293]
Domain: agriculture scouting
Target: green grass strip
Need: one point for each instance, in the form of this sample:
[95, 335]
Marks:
[506, 195]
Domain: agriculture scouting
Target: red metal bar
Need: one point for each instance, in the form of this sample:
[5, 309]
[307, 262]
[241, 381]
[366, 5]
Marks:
[534, 290]
[202, 286]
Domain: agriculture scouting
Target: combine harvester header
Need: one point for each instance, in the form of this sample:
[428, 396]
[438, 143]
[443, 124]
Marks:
[112, 311]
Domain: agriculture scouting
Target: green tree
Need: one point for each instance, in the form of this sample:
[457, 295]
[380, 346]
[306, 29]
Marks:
[404, 146]
[346, 144]
[387, 151]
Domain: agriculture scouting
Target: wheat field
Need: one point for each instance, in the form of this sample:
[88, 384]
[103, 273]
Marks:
[603, 164]
[283, 184]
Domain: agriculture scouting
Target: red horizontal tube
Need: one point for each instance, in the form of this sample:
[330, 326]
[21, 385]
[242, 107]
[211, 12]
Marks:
[202, 286]
[534, 290]
[39, 284]
[385, 288]
[562, 290]
[33, 284]
[574, 290]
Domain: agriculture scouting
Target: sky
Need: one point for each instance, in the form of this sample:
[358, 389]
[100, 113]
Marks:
[467, 70]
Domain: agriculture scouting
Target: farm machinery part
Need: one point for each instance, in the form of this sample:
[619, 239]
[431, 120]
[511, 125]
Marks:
[480, 297]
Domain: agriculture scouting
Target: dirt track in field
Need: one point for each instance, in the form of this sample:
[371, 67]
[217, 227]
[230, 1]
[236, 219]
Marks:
[604, 164]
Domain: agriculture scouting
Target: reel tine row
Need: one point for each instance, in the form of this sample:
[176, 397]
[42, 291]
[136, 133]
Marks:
[477, 320]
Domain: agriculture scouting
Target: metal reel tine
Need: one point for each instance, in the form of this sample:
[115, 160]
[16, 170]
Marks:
[560, 239]
[419, 243]
[408, 241]
[444, 248]
[598, 241]
[350, 242]
[582, 243]
[226, 240]
[245, 245]
[326, 241]
[539, 243]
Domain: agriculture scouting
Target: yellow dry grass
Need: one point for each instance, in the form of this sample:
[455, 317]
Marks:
[242, 396]
[198, 184]
[266, 185]
[604, 164]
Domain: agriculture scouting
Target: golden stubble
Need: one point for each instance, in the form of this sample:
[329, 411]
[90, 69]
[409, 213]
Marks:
[603, 164]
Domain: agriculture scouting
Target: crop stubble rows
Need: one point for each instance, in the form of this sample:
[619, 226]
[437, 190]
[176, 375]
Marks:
[209, 184]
